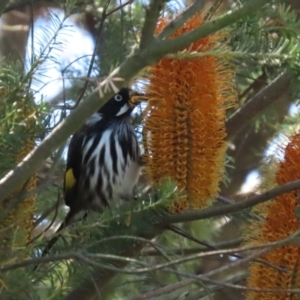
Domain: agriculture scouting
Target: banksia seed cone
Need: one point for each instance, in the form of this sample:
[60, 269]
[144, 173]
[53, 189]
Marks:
[184, 127]
[279, 221]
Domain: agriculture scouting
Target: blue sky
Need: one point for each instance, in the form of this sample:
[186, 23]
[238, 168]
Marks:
[71, 44]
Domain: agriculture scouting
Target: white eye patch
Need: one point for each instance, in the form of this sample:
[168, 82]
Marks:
[118, 97]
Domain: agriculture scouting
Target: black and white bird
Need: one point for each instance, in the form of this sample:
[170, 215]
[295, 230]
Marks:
[103, 162]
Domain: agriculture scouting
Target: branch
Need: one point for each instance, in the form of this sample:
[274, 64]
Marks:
[87, 289]
[222, 245]
[84, 258]
[203, 277]
[223, 283]
[199, 294]
[257, 104]
[250, 140]
[178, 261]
[182, 18]
[231, 208]
[100, 278]
[118, 78]
[40, 260]
[210, 27]
[3, 4]
[21, 3]
[152, 15]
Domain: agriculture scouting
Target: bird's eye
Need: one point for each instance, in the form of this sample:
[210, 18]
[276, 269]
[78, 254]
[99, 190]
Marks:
[118, 97]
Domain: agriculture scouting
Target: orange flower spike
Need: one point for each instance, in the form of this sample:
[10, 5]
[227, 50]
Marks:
[280, 222]
[184, 123]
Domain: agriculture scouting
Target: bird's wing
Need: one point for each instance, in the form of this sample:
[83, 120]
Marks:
[73, 170]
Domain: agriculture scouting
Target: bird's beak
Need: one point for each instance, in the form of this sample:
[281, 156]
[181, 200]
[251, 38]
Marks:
[136, 98]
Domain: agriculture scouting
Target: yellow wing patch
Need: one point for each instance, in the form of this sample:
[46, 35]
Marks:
[69, 179]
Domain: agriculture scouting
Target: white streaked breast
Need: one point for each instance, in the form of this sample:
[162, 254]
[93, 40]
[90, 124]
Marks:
[87, 147]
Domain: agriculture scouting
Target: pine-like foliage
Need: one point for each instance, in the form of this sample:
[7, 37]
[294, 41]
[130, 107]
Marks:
[125, 253]
[20, 126]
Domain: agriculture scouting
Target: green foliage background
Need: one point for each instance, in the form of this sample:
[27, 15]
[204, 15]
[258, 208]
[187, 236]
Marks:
[262, 46]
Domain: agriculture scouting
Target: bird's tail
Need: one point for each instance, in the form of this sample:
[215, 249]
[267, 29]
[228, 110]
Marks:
[67, 221]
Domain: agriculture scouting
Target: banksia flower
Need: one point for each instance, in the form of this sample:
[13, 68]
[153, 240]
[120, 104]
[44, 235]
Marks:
[17, 226]
[184, 127]
[279, 221]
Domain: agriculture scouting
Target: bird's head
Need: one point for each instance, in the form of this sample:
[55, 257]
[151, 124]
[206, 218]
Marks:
[120, 104]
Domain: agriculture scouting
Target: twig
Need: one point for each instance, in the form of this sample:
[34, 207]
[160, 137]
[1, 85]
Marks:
[71, 255]
[210, 27]
[105, 14]
[223, 199]
[257, 104]
[178, 285]
[3, 4]
[223, 245]
[125, 237]
[182, 260]
[245, 288]
[181, 19]
[231, 208]
[213, 288]
[119, 7]
[9, 5]
[152, 14]
[236, 286]
[39, 260]
[90, 69]
[87, 257]
[47, 212]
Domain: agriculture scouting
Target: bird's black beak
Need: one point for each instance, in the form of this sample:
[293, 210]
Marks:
[136, 98]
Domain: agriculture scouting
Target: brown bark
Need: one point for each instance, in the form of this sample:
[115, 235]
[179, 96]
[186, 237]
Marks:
[14, 34]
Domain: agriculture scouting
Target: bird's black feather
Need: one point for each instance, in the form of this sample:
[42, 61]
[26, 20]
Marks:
[102, 155]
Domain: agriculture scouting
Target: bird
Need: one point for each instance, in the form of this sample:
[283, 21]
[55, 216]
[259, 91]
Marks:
[103, 161]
